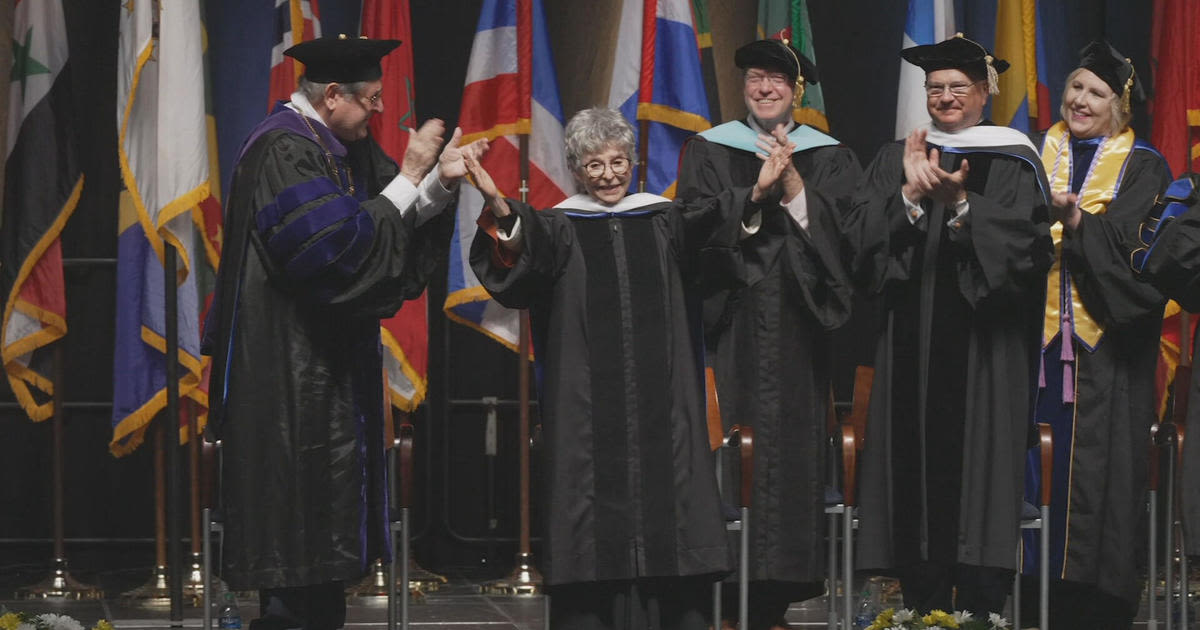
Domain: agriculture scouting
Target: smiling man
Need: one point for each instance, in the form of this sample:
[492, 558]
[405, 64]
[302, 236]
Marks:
[768, 343]
[951, 229]
[324, 236]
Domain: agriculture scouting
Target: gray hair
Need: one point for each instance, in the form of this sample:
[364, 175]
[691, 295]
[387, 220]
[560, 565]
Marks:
[1120, 117]
[314, 92]
[595, 129]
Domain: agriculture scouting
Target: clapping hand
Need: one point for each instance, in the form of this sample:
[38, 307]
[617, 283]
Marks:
[487, 187]
[924, 176]
[776, 158]
[453, 161]
[1066, 209]
[422, 150]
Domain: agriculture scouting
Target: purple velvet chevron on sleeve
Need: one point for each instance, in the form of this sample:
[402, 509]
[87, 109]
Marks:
[318, 235]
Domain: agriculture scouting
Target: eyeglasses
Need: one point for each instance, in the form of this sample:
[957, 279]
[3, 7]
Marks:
[372, 100]
[956, 89]
[596, 169]
[775, 79]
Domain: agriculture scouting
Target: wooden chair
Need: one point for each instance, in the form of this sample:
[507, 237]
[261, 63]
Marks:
[847, 436]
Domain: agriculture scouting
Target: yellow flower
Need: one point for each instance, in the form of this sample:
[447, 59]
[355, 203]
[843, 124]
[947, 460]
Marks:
[103, 624]
[940, 618]
[882, 621]
[9, 621]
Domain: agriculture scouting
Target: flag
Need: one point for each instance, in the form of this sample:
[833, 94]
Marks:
[1016, 42]
[929, 22]
[510, 91]
[163, 146]
[1175, 106]
[1175, 131]
[657, 79]
[788, 19]
[295, 21]
[42, 185]
[1040, 109]
[708, 66]
[405, 336]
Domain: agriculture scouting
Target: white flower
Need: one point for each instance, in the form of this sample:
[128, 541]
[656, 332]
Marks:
[26, 626]
[997, 621]
[58, 622]
[903, 615]
[962, 616]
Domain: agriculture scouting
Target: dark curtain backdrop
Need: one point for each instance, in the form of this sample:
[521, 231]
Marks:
[467, 515]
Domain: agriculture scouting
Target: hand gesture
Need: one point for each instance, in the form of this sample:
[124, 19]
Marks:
[483, 181]
[1066, 209]
[422, 150]
[919, 176]
[951, 187]
[452, 162]
[776, 158]
[790, 179]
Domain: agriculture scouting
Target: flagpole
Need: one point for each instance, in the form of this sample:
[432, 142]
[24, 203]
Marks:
[525, 578]
[157, 588]
[171, 429]
[59, 584]
[643, 152]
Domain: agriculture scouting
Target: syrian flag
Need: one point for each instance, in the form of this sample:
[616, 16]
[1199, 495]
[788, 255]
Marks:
[42, 185]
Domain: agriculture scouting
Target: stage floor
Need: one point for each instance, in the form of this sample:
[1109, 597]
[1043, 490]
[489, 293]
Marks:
[458, 605]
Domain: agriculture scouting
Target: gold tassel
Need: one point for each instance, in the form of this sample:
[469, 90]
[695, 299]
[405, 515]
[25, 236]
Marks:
[992, 78]
[798, 88]
[1125, 108]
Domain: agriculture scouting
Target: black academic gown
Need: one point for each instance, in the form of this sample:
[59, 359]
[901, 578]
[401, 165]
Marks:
[941, 473]
[1173, 266]
[769, 347]
[1101, 441]
[629, 490]
[306, 273]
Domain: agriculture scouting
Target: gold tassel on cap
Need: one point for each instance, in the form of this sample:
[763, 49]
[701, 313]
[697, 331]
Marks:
[993, 78]
[1125, 108]
[798, 88]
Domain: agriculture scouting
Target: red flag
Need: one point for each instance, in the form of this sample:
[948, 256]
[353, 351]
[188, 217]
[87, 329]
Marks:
[406, 335]
[295, 21]
[1175, 106]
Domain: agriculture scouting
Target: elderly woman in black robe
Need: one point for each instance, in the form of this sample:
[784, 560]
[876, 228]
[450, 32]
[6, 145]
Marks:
[634, 535]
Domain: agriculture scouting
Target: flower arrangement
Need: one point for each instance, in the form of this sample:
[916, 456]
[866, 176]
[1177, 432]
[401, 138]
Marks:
[905, 619]
[45, 621]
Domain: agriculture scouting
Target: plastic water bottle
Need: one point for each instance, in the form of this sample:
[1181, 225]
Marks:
[229, 616]
[870, 604]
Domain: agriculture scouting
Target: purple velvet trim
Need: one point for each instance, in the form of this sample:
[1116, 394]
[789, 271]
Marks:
[283, 117]
[291, 198]
[347, 241]
[287, 242]
[1067, 354]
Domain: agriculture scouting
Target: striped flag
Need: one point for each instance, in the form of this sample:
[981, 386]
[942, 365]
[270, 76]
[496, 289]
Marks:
[510, 91]
[1016, 42]
[163, 146]
[295, 21]
[788, 19]
[929, 22]
[708, 66]
[657, 78]
[42, 185]
[405, 336]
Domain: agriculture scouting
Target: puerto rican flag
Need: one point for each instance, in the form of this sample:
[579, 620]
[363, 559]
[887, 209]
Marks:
[657, 78]
[295, 21]
[510, 91]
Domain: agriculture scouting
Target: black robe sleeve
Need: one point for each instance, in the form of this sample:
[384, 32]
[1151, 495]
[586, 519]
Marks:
[546, 243]
[1097, 253]
[323, 244]
[1173, 265]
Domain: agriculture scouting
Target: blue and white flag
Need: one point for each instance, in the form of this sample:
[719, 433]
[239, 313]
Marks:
[929, 22]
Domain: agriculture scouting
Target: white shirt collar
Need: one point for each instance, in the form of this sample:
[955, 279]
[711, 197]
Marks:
[750, 120]
[300, 104]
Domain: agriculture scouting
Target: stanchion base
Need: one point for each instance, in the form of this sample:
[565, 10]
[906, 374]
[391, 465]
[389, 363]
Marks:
[59, 584]
[523, 581]
[422, 580]
[374, 585]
